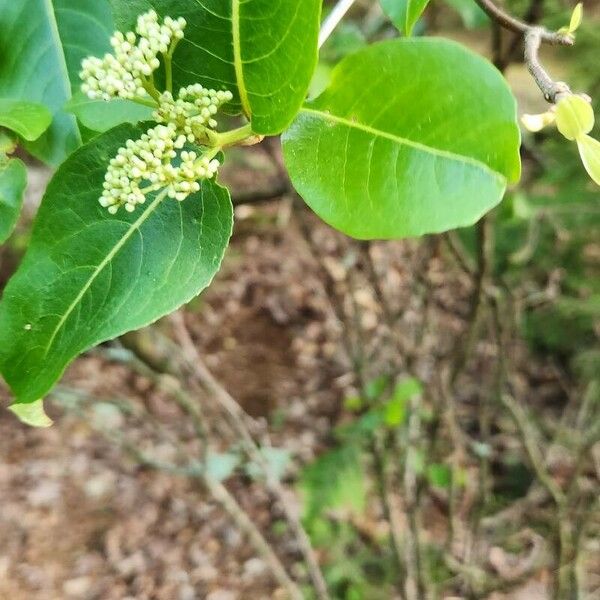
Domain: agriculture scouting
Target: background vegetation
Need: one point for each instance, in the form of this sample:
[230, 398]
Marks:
[415, 419]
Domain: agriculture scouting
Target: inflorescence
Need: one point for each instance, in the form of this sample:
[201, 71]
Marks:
[158, 159]
[125, 73]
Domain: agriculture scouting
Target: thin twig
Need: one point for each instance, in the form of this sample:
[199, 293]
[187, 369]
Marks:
[551, 89]
[239, 420]
[218, 491]
[534, 36]
[414, 582]
[333, 19]
[513, 24]
[529, 436]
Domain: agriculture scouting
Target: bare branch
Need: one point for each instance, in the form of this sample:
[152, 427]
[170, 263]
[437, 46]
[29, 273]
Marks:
[551, 89]
[534, 37]
[513, 24]
[240, 421]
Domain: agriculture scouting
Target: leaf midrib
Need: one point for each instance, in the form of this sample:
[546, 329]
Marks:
[237, 57]
[63, 61]
[105, 261]
[404, 141]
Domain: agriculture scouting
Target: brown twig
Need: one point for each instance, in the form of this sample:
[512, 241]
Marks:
[534, 36]
[240, 420]
[513, 24]
[551, 89]
[217, 490]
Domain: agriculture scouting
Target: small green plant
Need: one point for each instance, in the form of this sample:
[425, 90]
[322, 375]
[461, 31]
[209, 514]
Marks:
[411, 136]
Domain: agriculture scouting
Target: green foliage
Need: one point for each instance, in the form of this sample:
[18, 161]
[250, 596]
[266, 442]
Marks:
[470, 13]
[334, 480]
[404, 13]
[439, 475]
[263, 51]
[89, 276]
[13, 179]
[42, 43]
[27, 119]
[380, 164]
[101, 116]
[389, 156]
[395, 407]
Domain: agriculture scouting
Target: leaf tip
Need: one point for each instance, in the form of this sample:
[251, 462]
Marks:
[32, 414]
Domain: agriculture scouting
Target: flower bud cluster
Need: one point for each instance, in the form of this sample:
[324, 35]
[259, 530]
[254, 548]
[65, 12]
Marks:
[145, 165]
[123, 73]
[193, 110]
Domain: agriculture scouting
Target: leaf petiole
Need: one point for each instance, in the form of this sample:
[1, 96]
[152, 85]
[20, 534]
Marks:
[242, 136]
[145, 102]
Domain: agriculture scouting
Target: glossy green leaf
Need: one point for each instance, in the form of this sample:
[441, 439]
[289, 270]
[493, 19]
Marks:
[89, 276]
[589, 150]
[99, 115]
[85, 27]
[264, 51]
[28, 119]
[41, 42]
[13, 179]
[395, 148]
[404, 13]
[32, 414]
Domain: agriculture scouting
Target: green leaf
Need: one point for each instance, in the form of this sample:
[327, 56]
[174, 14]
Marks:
[89, 276]
[32, 414]
[264, 51]
[574, 116]
[576, 18]
[589, 150]
[395, 147]
[404, 13]
[41, 44]
[99, 115]
[28, 119]
[13, 179]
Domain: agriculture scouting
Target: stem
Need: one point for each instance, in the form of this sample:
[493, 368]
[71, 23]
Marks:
[550, 88]
[145, 102]
[245, 524]
[414, 582]
[240, 422]
[528, 437]
[168, 72]
[390, 510]
[513, 24]
[241, 136]
[485, 251]
[333, 20]
[148, 85]
[534, 37]
[168, 56]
